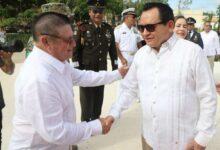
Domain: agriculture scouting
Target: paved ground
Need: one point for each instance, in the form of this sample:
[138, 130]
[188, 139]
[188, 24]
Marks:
[125, 134]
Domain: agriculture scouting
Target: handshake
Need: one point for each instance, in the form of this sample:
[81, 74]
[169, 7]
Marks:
[106, 124]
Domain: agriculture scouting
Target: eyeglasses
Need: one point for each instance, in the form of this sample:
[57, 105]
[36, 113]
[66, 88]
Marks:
[66, 40]
[148, 27]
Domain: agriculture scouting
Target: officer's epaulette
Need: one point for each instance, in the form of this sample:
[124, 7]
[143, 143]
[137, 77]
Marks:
[118, 27]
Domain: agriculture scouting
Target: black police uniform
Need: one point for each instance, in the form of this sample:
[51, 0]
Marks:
[92, 46]
[195, 37]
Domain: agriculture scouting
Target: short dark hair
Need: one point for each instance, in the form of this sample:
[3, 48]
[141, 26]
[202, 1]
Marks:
[165, 11]
[178, 17]
[48, 23]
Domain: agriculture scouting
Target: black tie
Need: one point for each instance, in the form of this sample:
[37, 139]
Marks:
[98, 29]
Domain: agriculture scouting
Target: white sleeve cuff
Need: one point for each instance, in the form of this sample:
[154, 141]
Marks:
[96, 127]
[74, 64]
[202, 139]
[114, 114]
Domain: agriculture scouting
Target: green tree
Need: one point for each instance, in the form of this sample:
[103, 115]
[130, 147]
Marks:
[218, 14]
[209, 16]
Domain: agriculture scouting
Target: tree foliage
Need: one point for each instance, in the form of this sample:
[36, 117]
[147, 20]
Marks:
[218, 14]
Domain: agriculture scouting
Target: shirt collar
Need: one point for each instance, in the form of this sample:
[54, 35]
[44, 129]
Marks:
[126, 27]
[168, 45]
[57, 64]
[96, 26]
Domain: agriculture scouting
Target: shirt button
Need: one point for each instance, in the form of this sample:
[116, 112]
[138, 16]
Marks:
[100, 52]
[100, 59]
[154, 102]
[100, 43]
[176, 142]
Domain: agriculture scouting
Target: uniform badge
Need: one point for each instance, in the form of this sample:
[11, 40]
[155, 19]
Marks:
[88, 34]
[108, 34]
[195, 38]
[75, 32]
[123, 32]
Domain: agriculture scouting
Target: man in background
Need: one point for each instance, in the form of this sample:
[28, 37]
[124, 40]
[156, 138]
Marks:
[127, 40]
[95, 40]
[193, 35]
[211, 43]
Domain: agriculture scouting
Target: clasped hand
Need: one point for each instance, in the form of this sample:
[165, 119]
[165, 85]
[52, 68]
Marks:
[106, 124]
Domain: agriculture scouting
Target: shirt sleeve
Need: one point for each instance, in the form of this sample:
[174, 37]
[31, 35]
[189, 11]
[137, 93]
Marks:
[44, 110]
[127, 95]
[91, 78]
[117, 37]
[217, 44]
[206, 93]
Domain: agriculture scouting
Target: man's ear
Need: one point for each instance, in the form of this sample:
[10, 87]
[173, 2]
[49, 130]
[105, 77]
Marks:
[170, 24]
[44, 40]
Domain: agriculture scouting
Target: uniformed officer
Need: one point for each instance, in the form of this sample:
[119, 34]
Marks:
[127, 37]
[95, 40]
[127, 40]
[49, 7]
[193, 35]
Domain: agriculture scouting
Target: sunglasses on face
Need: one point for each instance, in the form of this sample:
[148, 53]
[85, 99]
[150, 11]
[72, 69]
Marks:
[148, 27]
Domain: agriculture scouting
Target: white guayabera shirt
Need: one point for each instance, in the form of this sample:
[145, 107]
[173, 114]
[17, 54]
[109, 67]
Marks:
[211, 43]
[45, 117]
[177, 94]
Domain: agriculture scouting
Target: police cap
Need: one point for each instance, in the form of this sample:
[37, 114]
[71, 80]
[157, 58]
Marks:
[96, 3]
[129, 11]
[190, 20]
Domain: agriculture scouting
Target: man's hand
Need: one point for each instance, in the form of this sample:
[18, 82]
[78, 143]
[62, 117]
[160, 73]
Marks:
[109, 120]
[5, 55]
[8, 65]
[218, 88]
[123, 70]
[106, 124]
[192, 145]
[124, 61]
[105, 127]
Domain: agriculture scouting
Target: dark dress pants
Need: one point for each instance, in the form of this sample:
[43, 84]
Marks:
[91, 99]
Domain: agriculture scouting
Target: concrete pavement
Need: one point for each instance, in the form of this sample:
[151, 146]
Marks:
[125, 134]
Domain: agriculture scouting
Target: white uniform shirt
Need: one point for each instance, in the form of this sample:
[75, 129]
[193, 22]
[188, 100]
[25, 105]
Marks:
[127, 40]
[177, 94]
[211, 43]
[45, 117]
